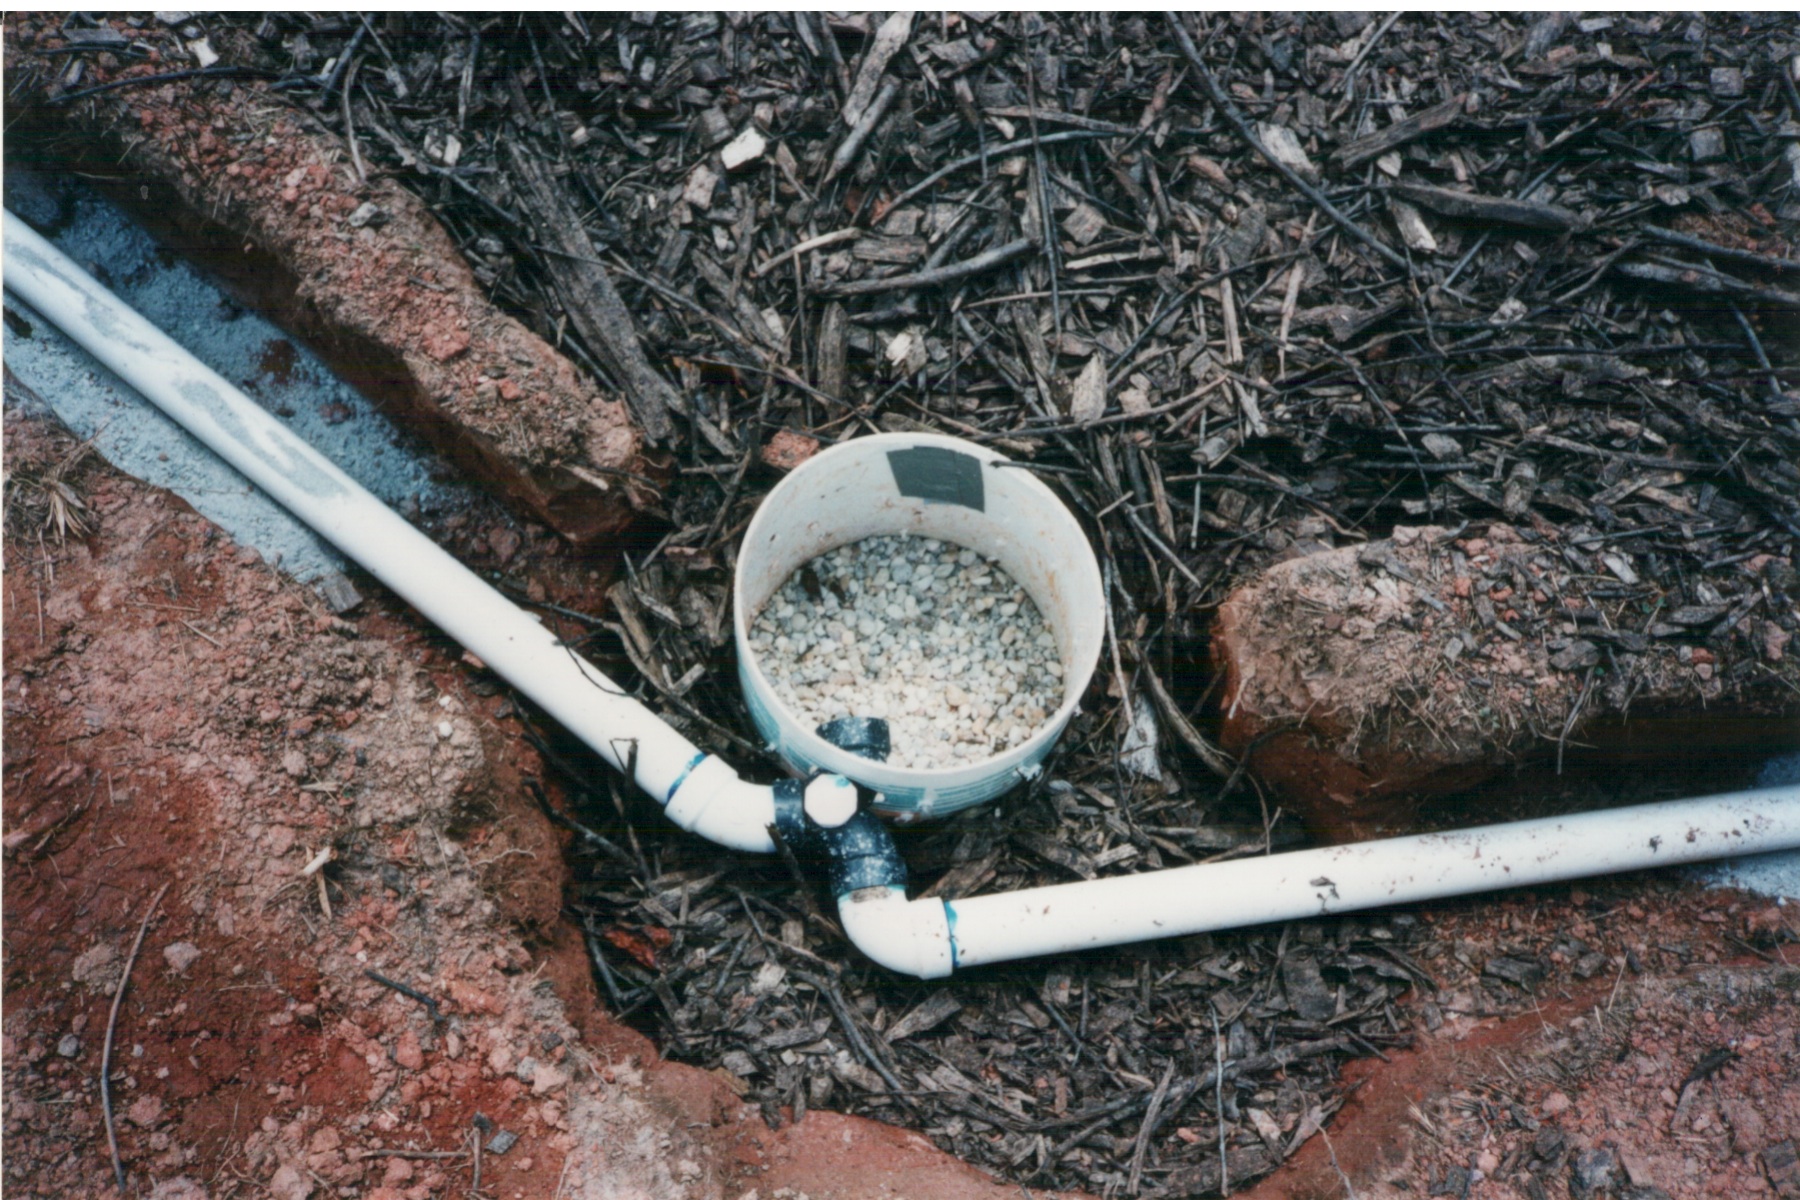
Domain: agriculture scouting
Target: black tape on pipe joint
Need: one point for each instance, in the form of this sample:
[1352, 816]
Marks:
[858, 854]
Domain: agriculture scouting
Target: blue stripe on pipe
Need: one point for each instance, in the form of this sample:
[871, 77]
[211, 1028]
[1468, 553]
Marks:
[682, 778]
[950, 922]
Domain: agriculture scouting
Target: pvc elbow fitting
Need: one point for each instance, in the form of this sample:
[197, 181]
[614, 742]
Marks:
[714, 802]
[911, 937]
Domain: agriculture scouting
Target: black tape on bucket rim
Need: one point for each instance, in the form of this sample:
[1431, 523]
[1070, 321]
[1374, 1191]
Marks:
[939, 475]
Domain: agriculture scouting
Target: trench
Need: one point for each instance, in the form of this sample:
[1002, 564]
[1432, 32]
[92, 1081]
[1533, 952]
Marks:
[679, 936]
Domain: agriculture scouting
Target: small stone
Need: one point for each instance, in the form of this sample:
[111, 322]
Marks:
[1578, 655]
[788, 449]
[180, 956]
[407, 1051]
[745, 147]
[1593, 1173]
[912, 621]
[700, 184]
[69, 1046]
[145, 1111]
[368, 213]
[1707, 144]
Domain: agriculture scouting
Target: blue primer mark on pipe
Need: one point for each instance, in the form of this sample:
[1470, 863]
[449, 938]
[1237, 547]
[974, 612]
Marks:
[950, 921]
[682, 778]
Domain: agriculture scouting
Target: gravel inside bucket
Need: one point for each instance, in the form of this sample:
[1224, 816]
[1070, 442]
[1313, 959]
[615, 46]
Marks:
[934, 637]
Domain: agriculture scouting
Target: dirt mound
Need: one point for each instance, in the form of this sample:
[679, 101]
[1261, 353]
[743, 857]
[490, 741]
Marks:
[358, 266]
[326, 802]
[1364, 680]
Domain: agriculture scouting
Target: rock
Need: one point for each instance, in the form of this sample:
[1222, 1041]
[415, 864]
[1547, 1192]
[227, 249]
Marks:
[745, 147]
[1707, 144]
[367, 213]
[902, 623]
[290, 1183]
[180, 956]
[69, 1046]
[407, 1052]
[97, 967]
[1748, 1130]
[700, 184]
[179, 1188]
[1578, 655]
[546, 1079]
[1318, 651]
[1593, 1173]
[145, 1111]
[788, 449]
[1727, 82]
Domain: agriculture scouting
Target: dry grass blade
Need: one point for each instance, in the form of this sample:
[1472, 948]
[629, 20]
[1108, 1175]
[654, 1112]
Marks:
[47, 499]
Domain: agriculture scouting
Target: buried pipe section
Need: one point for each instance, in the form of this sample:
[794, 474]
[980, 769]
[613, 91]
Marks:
[699, 792]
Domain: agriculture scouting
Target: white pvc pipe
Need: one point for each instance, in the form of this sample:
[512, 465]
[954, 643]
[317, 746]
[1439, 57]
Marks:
[700, 793]
[930, 938]
[926, 938]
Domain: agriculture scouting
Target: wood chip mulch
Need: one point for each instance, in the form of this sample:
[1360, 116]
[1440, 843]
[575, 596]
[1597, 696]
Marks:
[1237, 286]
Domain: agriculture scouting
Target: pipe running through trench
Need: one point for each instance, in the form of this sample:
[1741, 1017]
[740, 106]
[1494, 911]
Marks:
[701, 793]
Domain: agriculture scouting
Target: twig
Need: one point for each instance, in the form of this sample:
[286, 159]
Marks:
[1231, 114]
[1219, 1099]
[1693, 277]
[1356, 63]
[816, 243]
[112, 1024]
[986, 260]
[216, 72]
[356, 159]
[199, 633]
[1748, 257]
[944, 172]
[1214, 758]
[481, 1126]
[430, 1004]
[1495, 210]
[865, 125]
[840, 1008]
[1349, 1189]
[1143, 1138]
[1762, 357]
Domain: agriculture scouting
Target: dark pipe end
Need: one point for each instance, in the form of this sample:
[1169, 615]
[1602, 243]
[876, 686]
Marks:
[866, 737]
[858, 854]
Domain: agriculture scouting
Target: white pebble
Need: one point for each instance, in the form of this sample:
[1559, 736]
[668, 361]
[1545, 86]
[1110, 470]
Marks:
[929, 635]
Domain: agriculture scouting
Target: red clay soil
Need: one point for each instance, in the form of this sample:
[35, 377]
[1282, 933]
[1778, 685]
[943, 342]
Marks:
[1365, 679]
[179, 716]
[243, 187]
[1608, 1057]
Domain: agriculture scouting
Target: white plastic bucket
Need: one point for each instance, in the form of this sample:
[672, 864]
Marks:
[931, 486]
